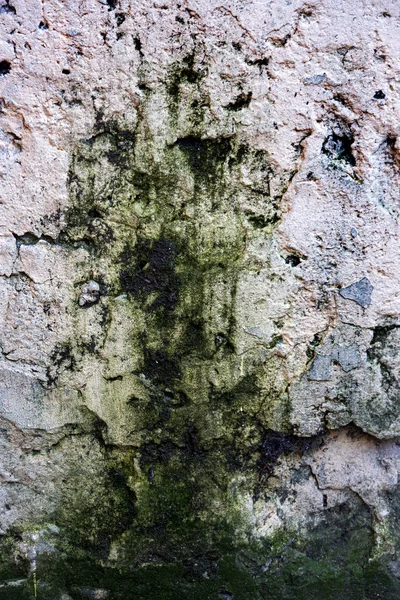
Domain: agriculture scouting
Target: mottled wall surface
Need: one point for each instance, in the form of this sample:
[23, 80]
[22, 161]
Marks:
[200, 300]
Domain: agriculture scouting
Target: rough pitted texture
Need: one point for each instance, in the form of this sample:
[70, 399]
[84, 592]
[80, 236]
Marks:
[200, 300]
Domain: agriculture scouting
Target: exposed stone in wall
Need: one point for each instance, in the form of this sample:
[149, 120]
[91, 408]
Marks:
[200, 310]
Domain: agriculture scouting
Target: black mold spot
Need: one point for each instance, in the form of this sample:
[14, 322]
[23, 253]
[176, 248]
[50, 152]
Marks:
[121, 142]
[86, 226]
[273, 446]
[380, 335]
[180, 20]
[95, 214]
[112, 4]
[222, 341]
[5, 67]
[192, 442]
[189, 72]
[62, 358]
[276, 339]
[377, 353]
[194, 337]
[260, 62]
[338, 147]
[151, 453]
[117, 158]
[313, 344]
[202, 154]
[120, 18]
[151, 269]
[262, 221]
[90, 346]
[138, 45]
[99, 124]
[7, 8]
[341, 99]
[391, 140]
[379, 95]
[174, 399]
[240, 102]
[186, 72]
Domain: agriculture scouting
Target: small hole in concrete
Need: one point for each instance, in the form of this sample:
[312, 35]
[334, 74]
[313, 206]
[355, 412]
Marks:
[293, 260]
[66, 71]
[339, 98]
[338, 147]
[379, 55]
[379, 95]
[5, 67]
[95, 214]
[43, 25]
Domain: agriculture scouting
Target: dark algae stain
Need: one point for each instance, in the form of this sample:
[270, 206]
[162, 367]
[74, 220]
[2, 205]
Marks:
[159, 512]
[184, 73]
[150, 268]
[204, 156]
[272, 447]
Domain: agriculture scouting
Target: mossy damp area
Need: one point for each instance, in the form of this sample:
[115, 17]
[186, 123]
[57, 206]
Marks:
[164, 225]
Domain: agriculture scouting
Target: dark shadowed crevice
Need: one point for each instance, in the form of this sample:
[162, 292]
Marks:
[339, 147]
[5, 67]
[242, 101]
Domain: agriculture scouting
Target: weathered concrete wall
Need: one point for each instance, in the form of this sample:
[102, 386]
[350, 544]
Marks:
[200, 299]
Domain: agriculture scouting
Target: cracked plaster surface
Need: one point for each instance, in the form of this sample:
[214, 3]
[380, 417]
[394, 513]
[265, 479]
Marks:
[318, 290]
